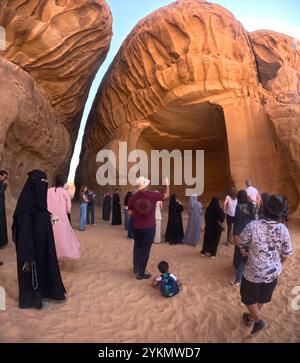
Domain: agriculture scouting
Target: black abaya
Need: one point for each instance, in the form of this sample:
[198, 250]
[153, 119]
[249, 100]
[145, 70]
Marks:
[106, 208]
[3, 226]
[174, 232]
[33, 235]
[116, 210]
[214, 215]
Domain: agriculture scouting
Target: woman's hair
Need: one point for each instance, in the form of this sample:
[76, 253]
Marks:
[82, 188]
[268, 215]
[163, 267]
[60, 180]
[233, 192]
[3, 172]
[242, 197]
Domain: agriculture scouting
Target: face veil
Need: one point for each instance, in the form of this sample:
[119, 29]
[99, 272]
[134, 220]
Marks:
[33, 198]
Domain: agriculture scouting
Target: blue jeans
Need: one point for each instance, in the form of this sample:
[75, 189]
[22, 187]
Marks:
[239, 272]
[83, 211]
[130, 228]
[126, 219]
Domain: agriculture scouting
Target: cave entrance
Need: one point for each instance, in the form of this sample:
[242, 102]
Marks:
[193, 127]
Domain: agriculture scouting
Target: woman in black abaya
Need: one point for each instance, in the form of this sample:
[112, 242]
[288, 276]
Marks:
[214, 217]
[174, 233]
[116, 209]
[38, 271]
[106, 208]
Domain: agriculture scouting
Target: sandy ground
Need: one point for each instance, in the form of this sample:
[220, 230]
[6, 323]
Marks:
[105, 303]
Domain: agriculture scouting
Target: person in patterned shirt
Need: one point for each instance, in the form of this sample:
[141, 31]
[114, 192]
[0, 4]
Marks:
[269, 245]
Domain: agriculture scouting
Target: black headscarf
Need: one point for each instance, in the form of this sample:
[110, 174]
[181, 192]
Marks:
[173, 203]
[33, 198]
[128, 195]
[214, 204]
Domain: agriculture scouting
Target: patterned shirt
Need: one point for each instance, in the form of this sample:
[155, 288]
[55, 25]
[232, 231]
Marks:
[268, 241]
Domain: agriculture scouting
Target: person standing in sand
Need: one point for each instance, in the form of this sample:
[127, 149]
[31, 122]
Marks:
[244, 214]
[142, 207]
[158, 219]
[84, 200]
[126, 216]
[193, 229]
[116, 209]
[214, 218]
[269, 245]
[174, 232]
[106, 207]
[38, 271]
[90, 213]
[3, 225]
[59, 205]
[229, 209]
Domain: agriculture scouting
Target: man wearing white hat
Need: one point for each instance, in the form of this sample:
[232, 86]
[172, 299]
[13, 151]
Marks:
[142, 207]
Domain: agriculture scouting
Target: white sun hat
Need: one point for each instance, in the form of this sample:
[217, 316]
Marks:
[142, 182]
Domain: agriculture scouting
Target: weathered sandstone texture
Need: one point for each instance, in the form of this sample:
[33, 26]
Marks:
[53, 51]
[190, 77]
[61, 44]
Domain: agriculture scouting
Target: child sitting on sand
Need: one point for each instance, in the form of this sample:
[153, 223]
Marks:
[167, 282]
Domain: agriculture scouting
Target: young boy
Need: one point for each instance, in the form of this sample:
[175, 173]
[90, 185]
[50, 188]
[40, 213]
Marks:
[167, 282]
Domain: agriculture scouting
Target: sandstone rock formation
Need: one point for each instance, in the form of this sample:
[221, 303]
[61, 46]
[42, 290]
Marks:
[53, 51]
[190, 77]
[30, 135]
[61, 44]
[278, 59]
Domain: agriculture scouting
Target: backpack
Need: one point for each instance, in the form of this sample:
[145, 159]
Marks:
[168, 286]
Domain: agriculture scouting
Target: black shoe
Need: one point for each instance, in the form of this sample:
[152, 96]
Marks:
[260, 325]
[143, 277]
[1, 263]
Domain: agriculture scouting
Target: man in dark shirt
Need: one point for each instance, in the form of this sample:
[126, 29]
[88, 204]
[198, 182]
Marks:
[142, 207]
[3, 226]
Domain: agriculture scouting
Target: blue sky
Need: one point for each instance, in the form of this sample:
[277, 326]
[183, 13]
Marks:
[279, 15]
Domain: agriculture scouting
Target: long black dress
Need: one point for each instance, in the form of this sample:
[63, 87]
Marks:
[174, 232]
[214, 215]
[3, 226]
[244, 214]
[116, 210]
[33, 235]
[106, 208]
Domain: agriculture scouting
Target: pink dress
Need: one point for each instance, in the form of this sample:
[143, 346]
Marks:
[66, 243]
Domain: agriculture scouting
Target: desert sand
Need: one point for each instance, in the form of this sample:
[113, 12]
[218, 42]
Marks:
[105, 303]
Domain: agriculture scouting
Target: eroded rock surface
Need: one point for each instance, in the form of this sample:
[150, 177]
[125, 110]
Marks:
[190, 76]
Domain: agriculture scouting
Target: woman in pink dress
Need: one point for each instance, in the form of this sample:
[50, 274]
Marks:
[59, 205]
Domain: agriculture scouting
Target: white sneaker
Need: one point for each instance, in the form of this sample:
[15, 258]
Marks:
[213, 257]
[234, 283]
